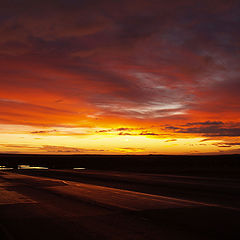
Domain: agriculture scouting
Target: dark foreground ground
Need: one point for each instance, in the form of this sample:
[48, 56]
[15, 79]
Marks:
[103, 204]
[220, 165]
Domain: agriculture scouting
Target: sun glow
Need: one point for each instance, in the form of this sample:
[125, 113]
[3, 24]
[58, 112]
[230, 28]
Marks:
[99, 141]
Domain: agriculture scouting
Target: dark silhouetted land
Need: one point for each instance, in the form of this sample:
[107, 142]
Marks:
[228, 165]
[120, 197]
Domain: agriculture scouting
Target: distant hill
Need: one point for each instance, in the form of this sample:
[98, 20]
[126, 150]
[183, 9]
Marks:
[136, 163]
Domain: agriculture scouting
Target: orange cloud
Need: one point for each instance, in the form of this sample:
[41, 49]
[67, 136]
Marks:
[150, 68]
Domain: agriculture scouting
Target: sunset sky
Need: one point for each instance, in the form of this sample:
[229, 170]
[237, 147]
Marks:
[120, 77]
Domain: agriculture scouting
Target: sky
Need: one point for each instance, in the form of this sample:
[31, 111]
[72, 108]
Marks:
[120, 77]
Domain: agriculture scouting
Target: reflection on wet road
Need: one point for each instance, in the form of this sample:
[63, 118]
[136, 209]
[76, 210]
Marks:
[36, 207]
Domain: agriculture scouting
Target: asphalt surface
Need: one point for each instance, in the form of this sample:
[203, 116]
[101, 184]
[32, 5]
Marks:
[67, 204]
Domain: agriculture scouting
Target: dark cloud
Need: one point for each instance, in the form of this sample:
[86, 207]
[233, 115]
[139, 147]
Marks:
[125, 134]
[227, 144]
[128, 59]
[232, 151]
[118, 130]
[209, 129]
[206, 139]
[145, 133]
[44, 132]
[63, 149]
[207, 123]
[130, 132]
[172, 128]
[213, 131]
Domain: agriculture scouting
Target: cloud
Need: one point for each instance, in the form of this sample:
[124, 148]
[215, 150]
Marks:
[130, 132]
[117, 130]
[125, 134]
[227, 144]
[130, 149]
[232, 151]
[49, 149]
[213, 131]
[63, 149]
[145, 133]
[209, 129]
[44, 132]
[121, 63]
[206, 123]
[171, 140]
[19, 146]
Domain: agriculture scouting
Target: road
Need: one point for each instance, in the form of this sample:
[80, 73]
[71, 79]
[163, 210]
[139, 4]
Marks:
[111, 205]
